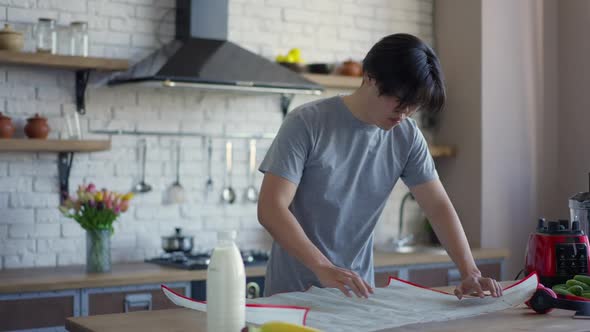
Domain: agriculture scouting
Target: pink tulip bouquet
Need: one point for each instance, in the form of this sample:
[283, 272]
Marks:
[95, 209]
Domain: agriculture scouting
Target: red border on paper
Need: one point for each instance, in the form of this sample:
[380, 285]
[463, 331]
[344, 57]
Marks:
[253, 305]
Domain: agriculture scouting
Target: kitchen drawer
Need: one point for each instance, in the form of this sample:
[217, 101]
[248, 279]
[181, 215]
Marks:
[102, 301]
[382, 278]
[449, 275]
[429, 277]
[492, 270]
[37, 310]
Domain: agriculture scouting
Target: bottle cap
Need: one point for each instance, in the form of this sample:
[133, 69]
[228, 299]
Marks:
[226, 235]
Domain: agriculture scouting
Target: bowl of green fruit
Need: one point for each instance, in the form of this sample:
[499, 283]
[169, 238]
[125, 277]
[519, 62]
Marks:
[577, 288]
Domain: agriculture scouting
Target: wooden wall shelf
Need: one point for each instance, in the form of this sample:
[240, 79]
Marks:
[335, 81]
[440, 151]
[41, 145]
[65, 153]
[62, 61]
[81, 65]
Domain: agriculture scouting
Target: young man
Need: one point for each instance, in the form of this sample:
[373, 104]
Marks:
[333, 164]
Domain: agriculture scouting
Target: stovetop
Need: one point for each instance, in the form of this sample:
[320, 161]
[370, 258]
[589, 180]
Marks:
[200, 260]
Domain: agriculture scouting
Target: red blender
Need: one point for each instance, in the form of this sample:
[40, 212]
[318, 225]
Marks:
[558, 250]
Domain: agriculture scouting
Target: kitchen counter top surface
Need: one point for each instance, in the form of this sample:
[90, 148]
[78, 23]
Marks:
[73, 277]
[515, 319]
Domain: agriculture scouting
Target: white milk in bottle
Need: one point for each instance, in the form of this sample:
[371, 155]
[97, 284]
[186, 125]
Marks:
[226, 286]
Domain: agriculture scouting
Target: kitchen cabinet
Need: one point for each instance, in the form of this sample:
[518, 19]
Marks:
[49, 310]
[100, 301]
[430, 277]
[492, 270]
[382, 278]
[450, 276]
[435, 275]
[38, 310]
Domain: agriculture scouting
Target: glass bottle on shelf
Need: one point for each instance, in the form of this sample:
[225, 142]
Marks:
[63, 40]
[46, 36]
[79, 38]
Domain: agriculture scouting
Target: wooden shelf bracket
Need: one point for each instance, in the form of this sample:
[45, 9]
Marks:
[82, 77]
[286, 100]
[64, 166]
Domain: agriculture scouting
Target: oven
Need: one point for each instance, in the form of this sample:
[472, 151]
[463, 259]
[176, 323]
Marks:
[254, 288]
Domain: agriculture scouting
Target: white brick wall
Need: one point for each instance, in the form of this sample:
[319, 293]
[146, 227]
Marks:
[32, 231]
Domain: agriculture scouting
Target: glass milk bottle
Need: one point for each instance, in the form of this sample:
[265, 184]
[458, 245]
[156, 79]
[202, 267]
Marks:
[226, 286]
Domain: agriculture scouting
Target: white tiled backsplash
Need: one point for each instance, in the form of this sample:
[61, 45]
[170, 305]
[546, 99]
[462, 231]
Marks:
[32, 232]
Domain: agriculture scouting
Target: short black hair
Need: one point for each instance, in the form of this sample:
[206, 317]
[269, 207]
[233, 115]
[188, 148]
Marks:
[405, 67]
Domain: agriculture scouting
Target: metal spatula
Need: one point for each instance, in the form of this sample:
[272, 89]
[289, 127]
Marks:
[142, 186]
[251, 191]
[229, 194]
[175, 194]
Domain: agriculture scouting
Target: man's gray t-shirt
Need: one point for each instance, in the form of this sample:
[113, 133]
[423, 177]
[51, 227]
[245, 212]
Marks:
[345, 170]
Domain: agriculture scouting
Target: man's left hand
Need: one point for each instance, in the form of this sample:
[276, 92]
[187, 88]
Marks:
[477, 285]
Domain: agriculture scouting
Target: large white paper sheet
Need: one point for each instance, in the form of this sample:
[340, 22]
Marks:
[400, 303]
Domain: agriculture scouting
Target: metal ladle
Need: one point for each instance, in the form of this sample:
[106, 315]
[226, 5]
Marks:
[251, 192]
[229, 194]
[176, 194]
[209, 182]
[142, 186]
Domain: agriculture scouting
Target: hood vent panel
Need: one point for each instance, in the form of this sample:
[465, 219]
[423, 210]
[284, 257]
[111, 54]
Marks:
[213, 63]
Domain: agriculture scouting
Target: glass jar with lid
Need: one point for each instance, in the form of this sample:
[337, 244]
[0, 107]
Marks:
[79, 38]
[46, 35]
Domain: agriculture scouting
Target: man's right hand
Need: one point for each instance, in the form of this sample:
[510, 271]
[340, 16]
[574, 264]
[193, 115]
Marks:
[276, 194]
[343, 279]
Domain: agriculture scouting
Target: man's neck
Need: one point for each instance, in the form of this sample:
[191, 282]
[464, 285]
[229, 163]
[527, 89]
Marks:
[357, 105]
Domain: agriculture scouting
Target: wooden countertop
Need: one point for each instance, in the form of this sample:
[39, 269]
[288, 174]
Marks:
[382, 259]
[181, 320]
[516, 319]
[72, 277]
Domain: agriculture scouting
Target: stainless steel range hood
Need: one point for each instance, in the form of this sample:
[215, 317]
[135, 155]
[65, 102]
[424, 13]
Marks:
[202, 57]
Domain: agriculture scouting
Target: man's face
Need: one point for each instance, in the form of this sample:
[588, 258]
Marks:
[384, 111]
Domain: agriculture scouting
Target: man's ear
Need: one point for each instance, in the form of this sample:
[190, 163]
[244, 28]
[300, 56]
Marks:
[368, 80]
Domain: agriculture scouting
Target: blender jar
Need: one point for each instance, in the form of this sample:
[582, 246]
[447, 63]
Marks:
[579, 205]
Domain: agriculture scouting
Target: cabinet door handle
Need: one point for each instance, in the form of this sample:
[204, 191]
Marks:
[252, 290]
[138, 300]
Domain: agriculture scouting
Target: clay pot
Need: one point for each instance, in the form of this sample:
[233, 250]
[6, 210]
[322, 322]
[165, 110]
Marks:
[37, 127]
[6, 127]
[351, 68]
[11, 40]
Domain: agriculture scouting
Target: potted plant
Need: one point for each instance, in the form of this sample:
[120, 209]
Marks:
[96, 211]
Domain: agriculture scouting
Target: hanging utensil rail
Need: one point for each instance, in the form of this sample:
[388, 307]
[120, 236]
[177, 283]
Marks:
[185, 134]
